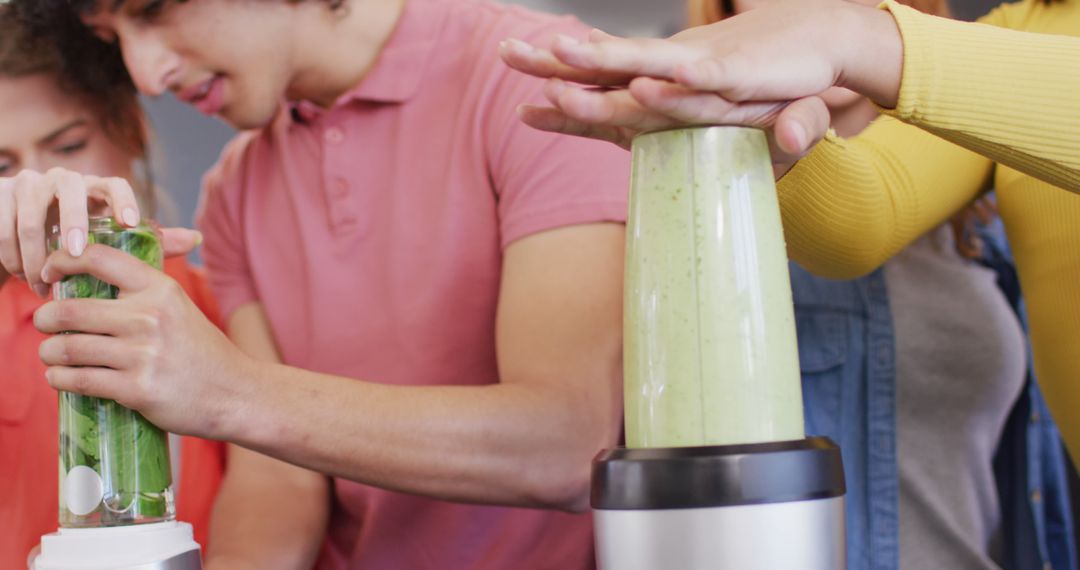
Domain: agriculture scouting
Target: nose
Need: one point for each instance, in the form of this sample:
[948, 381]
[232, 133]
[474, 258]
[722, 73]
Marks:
[153, 66]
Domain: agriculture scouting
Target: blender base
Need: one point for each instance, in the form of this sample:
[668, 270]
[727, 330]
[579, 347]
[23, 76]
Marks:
[808, 535]
[157, 546]
[761, 506]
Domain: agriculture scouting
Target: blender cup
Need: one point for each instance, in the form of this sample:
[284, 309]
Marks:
[114, 465]
[717, 472]
[710, 354]
[116, 488]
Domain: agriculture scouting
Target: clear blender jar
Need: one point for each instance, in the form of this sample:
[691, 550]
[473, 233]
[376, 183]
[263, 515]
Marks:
[116, 485]
[717, 471]
[710, 356]
[114, 465]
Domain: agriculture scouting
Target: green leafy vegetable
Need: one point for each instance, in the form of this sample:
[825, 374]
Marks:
[129, 453]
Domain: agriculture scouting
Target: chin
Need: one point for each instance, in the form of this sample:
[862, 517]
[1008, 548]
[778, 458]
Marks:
[249, 120]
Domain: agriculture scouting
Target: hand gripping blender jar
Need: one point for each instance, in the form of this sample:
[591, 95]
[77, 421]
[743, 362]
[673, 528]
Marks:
[717, 472]
[116, 496]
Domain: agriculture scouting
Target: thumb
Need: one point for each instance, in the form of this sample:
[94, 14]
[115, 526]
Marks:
[180, 241]
[801, 125]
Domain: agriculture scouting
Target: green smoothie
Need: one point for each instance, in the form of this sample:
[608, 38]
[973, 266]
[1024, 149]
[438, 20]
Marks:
[710, 352]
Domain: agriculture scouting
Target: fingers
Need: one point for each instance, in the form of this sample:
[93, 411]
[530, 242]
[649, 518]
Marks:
[985, 210]
[713, 74]
[615, 108]
[90, 381]
[117, 193]
[801, 125]
[110, 265]
[9, 239]
[32, 198]
[626, 56]
[179, 241]
[74, 219]
[93, 316]
[555, 121]
[689, 107]
[87, 350]
[526, 58]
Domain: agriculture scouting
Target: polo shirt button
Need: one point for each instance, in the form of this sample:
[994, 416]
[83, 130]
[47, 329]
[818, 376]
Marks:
[333, 135]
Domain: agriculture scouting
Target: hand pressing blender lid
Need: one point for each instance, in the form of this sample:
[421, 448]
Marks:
[717, 472]
[116, 488]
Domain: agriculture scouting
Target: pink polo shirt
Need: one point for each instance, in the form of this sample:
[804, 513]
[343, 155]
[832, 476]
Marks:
[373, 233]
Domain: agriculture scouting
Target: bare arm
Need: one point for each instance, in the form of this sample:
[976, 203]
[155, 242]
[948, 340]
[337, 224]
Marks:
[525, 441]
[248, 530]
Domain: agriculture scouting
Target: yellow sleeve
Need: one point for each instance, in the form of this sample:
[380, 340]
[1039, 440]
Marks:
[1009, 95]
[854, 203]
[1043, 224]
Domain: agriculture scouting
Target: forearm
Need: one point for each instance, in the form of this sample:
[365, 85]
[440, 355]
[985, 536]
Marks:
[1008, 95]
[852, 204]
[510, 444]
[1045, 236]
[267, 522]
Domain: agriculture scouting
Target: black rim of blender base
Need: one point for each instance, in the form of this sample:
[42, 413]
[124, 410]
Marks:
[717, 476]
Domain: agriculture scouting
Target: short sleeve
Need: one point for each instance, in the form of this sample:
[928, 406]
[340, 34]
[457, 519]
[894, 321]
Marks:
[219, 218]
[543, 180]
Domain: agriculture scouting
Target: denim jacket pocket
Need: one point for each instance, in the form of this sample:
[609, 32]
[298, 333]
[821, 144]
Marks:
[823, 351]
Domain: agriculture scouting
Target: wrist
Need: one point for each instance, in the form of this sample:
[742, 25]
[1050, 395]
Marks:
[236, 407]
[872, 65]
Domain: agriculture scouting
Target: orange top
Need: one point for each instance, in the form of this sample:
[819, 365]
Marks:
[29, 459]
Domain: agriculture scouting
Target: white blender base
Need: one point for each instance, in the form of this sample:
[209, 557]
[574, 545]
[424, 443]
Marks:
[157, 546]
[803, 535]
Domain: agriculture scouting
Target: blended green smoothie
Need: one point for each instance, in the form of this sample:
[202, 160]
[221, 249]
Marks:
[710, 351]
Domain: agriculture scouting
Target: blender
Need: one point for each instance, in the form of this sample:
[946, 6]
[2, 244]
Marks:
[717, 472]
[116, 495]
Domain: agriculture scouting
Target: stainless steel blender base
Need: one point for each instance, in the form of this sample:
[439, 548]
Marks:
[802, 535]
[189, 560]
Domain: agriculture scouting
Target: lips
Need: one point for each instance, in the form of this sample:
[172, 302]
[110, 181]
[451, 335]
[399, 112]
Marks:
[208, 97]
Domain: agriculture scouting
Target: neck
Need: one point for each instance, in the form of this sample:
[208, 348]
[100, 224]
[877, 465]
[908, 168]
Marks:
[336, 48]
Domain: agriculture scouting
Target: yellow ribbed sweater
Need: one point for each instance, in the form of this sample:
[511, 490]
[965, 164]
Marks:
[852, 204]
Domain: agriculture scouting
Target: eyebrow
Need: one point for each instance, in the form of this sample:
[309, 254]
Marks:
[56, 134]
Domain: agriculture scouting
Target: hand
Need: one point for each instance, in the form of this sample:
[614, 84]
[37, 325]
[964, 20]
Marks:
[32, 557]
[25, 204]
[618, 116]
[981, 212]
[151, 349]
[784, 51]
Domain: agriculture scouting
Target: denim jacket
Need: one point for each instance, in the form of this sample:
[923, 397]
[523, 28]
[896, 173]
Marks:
[848, 361]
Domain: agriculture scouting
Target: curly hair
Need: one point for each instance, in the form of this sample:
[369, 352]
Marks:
[95, 75]
[46, 36]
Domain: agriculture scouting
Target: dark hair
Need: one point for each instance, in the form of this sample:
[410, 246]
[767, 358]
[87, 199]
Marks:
[82, 67]
[91, 64]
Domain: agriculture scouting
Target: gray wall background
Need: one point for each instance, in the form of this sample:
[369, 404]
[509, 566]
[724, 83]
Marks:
[188, 143]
